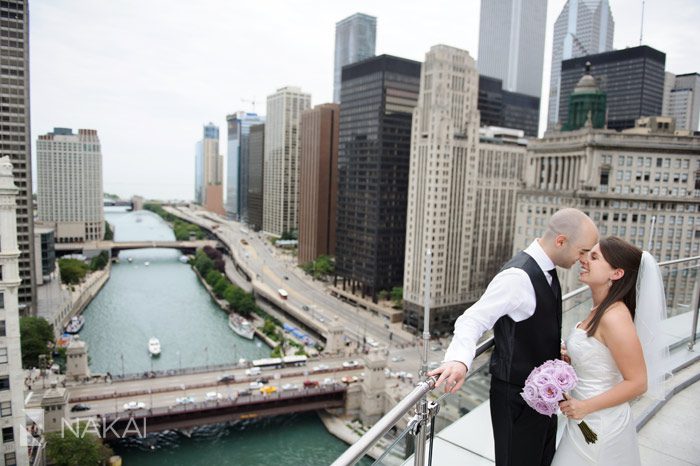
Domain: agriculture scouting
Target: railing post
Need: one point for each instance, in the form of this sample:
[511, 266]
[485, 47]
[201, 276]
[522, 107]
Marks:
[695, 308]
[420, 431]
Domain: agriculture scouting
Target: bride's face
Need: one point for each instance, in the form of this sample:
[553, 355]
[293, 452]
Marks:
[595, 270]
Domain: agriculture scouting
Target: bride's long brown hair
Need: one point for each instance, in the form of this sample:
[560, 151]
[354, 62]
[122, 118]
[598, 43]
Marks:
[620, 255]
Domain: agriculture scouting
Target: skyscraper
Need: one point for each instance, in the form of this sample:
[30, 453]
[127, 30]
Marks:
[281, 185]
[584, 27]
[511, 43]
[507, 109]
[318, 181]
[69, 184]
[210, 165]
[355, 40]
[682, 100]
[239, 125]
[256, 170]
[377, 102]
[462, 191]
[15, 133]
[632, 78]
[11, 373]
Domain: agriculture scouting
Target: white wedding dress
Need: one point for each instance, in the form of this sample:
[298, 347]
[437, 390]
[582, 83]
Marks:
[617, 437]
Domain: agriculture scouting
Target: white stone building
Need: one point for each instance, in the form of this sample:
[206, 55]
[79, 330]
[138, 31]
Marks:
[69, 182]
[12, 417]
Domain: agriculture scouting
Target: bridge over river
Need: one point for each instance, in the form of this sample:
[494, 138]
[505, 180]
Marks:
[158, 398]
[188, 247]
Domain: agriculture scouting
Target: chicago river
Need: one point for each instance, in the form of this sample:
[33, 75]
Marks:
[165, 299]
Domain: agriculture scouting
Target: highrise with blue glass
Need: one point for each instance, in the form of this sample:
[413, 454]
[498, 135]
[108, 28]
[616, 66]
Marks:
[237, 160]
[355, 40]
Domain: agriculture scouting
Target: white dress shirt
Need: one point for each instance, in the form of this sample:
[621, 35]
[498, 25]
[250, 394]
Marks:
[510, 293]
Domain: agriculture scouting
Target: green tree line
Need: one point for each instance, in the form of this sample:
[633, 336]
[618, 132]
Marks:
[183, 230]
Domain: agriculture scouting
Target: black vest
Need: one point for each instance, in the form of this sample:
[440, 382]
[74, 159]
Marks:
[522, 346]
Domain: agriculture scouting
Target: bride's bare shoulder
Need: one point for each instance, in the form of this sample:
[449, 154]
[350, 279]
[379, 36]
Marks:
[617, 315]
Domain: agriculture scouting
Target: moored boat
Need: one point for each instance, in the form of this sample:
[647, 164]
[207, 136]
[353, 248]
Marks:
[154, 346]
[75, 324]
[241, 326]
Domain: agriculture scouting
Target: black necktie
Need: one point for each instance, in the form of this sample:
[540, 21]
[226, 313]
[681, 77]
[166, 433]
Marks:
[556, 287]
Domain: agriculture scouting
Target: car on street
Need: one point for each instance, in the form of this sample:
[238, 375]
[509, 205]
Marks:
[184, 400]
[80, 407]
[213, 396]
[320, 367]
[310, 383]
[398, 359]
[290, 387]
[134, 405]
[263, 380]
[255, 385]
[351, 363]
[244, 392]
[226, 378]
[268, 390]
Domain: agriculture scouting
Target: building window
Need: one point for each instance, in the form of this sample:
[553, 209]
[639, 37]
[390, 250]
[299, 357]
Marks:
[2, 301]
[10, 459]
[5, 409]
[3, 330]
[4, 382]
[8, 435]
[3, 355]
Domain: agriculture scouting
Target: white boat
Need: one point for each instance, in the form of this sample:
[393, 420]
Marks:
[75, 324]
[184, 259]
[154, 346]
[130, 259]
[241, 326]
[146, 263]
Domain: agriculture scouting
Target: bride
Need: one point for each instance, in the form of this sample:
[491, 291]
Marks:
[614, 353]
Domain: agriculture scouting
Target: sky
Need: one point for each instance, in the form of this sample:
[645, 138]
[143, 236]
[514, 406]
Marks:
[148, 74]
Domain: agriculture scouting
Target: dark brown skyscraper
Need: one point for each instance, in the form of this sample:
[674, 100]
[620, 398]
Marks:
[14, 133]
[318, 181]
[256, 147]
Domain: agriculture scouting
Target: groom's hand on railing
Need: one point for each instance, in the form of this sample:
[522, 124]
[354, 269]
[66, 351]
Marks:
[452, 374]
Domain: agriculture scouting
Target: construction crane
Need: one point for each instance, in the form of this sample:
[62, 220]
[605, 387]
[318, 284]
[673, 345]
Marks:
[249, 102]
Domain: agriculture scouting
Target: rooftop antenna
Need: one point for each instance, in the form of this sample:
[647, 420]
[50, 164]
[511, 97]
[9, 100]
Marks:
[641, 32]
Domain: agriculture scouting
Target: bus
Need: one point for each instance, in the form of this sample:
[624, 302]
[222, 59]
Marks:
[283, 293]
[278, 363]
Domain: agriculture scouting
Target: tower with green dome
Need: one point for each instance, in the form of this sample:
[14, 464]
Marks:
[587, 101]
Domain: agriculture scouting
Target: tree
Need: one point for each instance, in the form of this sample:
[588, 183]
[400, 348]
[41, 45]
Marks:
[212, 277]
[383, 295]
[100, 261]
[72, 271]
[220, 265]
[35, 334]
[323, 266]
[109, 234]
[397, 296]
[220, 286]
[68, 449]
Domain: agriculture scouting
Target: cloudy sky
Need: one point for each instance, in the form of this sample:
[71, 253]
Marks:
[147, 74]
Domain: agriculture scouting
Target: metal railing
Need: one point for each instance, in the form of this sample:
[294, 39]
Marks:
[412, 401]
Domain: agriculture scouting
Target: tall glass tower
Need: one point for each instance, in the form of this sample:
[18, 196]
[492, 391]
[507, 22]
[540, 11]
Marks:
[584, 27]
[238, 125]
[511, 43]
[355, 40]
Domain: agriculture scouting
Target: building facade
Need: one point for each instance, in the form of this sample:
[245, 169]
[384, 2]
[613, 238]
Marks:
[377, 101]
[584, 27]
[682, 100]
[462, 192]
[15, 134]
[642, 185]
[511, 43]
[318, 181]
[256, 179]
[632, 78]
[355, 40]
[45, 247]
[209, 166]
[69, 184]
[11, 374]
[505, 109]
[238, 125]
[281, 186]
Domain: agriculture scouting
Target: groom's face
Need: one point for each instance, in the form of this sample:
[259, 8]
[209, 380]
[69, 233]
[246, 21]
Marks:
[577, 248]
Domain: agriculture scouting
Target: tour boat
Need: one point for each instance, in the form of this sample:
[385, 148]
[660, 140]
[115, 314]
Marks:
[154, 346]
[241, 326]
[75, 324]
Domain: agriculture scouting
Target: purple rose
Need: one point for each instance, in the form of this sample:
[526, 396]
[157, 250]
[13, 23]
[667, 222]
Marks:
[543, 407]
[550, 393]
[529, 392]
[565, 378]
[542, 379]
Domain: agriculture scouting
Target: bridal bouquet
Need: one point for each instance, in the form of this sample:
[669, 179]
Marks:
[546, 386]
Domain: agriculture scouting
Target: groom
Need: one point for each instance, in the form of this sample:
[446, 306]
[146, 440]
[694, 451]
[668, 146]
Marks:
[523, 306]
